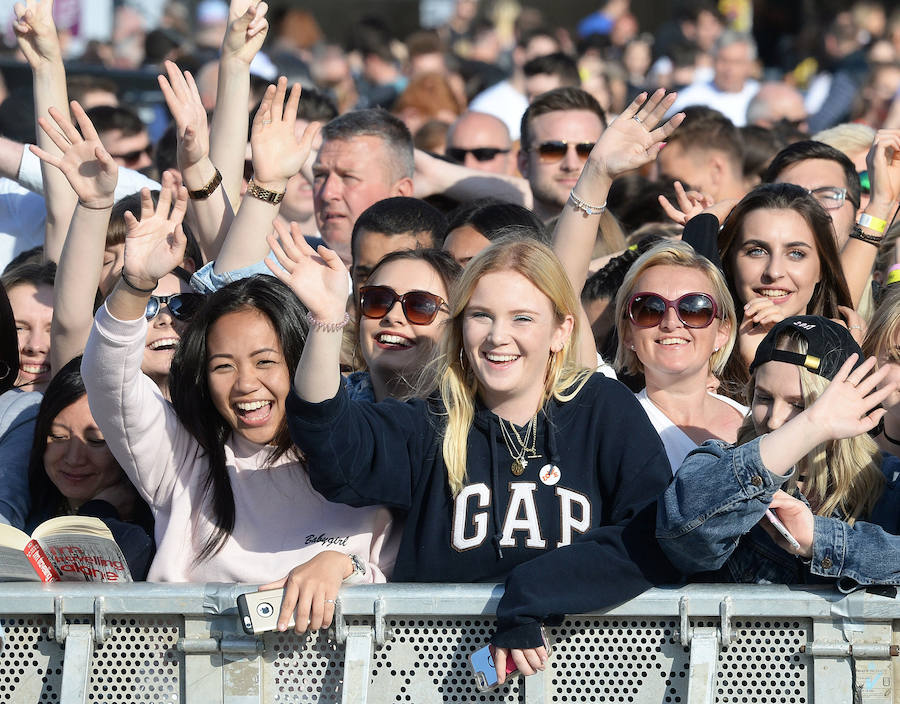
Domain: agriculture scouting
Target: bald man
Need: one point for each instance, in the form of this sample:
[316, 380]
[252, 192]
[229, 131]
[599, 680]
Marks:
[776, 101]
[480, 141]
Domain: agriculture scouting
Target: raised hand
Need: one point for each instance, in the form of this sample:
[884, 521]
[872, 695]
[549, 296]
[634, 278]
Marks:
[36, 31]
[277, 153]
[883, 162]
[318, 278]
[635, 137]
[310, 591]
[690, 204]
[247, 29]
[850, 404]
[154, 245]
[88, 167]
[183, 99]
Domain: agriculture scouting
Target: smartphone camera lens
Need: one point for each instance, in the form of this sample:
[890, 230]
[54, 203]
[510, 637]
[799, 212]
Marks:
[265, 609]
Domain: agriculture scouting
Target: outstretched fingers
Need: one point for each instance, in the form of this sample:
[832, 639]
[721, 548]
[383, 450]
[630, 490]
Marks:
[84, 123]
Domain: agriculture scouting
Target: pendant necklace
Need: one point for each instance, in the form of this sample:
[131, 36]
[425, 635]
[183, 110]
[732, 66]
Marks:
[519, 462]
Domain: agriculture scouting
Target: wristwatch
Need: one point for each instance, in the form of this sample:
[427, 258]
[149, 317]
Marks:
[359, 567]
[206, 191]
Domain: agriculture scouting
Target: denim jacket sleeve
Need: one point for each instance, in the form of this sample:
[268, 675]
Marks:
[206, 280]
[857, 555]
[717, 495]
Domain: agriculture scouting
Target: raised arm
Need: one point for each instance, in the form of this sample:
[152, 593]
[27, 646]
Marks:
[247, 29]
[319, 279]
[93, 174]
[858, 256]
[277, 155]
[37, 39]
[435, 176]
[209, 204]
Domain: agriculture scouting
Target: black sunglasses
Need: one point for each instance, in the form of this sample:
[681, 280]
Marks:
[555, 150]
[694, 310]
[419, 307]
[132, 157]
[480, 153]
[182, 305]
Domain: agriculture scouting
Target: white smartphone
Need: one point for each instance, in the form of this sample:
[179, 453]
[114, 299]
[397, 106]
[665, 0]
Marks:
[259, 611]
[779, 526]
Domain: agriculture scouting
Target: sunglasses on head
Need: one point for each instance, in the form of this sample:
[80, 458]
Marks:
[555, 150]
[480, 153]
[181, 305]
[419, 307]
[694, 310]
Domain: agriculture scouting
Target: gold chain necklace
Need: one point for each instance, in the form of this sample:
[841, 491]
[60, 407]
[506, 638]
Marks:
[519, 462]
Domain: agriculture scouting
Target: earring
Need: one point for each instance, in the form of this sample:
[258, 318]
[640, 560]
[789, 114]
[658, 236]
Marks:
[632, 348]
[462, 364]
[715, 349]
[6, 370]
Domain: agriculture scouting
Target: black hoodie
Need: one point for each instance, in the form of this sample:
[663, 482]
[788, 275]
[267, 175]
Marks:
[600, 509]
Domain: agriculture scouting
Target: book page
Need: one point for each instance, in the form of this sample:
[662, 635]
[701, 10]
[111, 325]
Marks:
[85, 558]
[15, 567]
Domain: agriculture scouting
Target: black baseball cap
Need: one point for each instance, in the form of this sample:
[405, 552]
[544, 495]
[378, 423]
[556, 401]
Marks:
[829, 344]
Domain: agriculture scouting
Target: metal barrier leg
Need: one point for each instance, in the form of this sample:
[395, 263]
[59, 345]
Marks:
[77, 664]
[357, 665]
[704, 660]
[538, 686]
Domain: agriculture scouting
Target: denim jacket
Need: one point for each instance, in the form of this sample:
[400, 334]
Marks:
[707, 523]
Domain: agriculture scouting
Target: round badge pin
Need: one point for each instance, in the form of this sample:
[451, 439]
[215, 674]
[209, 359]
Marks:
[549, 474]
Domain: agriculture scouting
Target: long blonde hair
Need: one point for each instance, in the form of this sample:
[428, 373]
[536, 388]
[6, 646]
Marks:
[456, 381]
[842, 476]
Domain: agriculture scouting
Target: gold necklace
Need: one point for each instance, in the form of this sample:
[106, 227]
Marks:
[519, 462]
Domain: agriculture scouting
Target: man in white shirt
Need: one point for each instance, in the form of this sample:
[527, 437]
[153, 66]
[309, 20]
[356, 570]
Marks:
[732, 88]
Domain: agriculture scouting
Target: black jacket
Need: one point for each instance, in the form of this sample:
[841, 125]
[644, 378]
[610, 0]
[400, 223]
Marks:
[600, 511]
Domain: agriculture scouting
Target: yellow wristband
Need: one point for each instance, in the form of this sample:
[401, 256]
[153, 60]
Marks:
[893, 277]
[876, 224]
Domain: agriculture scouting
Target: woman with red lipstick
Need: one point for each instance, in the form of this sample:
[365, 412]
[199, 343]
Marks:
[230, 494]
[780, 259]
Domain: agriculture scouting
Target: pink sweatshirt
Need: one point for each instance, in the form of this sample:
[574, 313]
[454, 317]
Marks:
[280, 520]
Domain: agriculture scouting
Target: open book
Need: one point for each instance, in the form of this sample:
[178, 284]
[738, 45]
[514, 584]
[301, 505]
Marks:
[67, 549]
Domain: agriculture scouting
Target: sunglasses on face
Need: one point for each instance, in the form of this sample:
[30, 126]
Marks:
[181, 305]
[132, 157]
[419, 307]
[694, 310]
[555, 150]
[480, 153]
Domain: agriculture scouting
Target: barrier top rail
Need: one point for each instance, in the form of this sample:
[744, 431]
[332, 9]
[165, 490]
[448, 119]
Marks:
[447, 599]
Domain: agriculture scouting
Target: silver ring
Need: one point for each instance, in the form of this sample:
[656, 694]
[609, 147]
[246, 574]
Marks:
[329, 601]
[856, 327]
[637, 119]
[267, 122]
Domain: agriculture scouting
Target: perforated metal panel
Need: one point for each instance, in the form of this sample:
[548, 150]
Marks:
[303, 670]
[137, 662]
[427, 660]
[31, 662]
[763, 664]
[606, 660]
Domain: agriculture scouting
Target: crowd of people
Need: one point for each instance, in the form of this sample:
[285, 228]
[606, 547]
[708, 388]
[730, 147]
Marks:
[460, 310]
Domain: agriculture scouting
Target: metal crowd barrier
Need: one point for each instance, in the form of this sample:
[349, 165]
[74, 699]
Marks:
[410, 643]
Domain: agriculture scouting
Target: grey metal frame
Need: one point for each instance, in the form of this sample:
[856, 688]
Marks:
[409, 642]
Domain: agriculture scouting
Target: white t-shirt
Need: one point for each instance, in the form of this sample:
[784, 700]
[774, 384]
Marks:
[732, 105]
[675, 440]
[503, 102]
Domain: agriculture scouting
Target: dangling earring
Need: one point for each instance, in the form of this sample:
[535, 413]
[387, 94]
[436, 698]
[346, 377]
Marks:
[462, 363]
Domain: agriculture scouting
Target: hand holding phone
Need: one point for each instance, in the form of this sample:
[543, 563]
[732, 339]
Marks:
[779, 526]
[484, 666]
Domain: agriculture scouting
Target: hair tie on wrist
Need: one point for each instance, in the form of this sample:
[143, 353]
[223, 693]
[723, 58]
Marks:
[137, 288]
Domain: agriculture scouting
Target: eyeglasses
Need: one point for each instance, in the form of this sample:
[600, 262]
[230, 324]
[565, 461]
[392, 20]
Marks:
[694, 310]
[865, 185]
[182, 305]
[555, 150]
[480, 153]
[829, 197]
[419, 307]
[133, 157]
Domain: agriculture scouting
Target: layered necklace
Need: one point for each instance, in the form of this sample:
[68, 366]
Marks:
[518, 446]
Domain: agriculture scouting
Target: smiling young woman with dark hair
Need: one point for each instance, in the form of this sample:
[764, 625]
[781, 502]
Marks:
[231, 496]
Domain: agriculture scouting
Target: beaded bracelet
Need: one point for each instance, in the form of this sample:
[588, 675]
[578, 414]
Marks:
[585, 207]
[317, 324]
